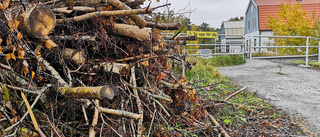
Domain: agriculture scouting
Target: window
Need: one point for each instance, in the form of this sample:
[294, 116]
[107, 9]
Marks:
[248, 25]
[254, 23]
[252, 8]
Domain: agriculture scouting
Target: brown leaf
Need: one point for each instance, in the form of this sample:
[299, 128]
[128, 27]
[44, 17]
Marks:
[49, 44]
[19, 35]
[25, 71]
[13, 24]
[32, 74]
[145, 63]
[21, 53]
[9, 42]
[10, 56]
[4, 5]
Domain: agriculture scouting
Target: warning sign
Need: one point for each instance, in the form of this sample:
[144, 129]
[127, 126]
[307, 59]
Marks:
[203, 34]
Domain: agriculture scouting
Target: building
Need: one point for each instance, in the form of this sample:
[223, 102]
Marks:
[257, 17]
[231, 36]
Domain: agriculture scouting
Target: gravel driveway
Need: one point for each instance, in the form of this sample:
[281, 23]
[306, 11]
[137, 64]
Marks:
[296, 91]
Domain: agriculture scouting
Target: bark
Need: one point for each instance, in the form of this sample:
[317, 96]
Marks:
[84, 38]
[119, 68]
[84, 2]
[38, 22]
[164, 26]
[120, 113]
[77, 8]
[100, 92]
[136, 18]
[76, 56]
[144, 34]
[104, 13]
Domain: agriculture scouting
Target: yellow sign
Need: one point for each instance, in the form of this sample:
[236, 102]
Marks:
[202, 34]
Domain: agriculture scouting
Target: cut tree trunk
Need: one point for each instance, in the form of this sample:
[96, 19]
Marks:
[164, 26]
[77, 56]
[101, 92]
[38, 22]
[143, 34]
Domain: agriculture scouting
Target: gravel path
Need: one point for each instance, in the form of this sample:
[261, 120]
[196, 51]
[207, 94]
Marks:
[296, 91]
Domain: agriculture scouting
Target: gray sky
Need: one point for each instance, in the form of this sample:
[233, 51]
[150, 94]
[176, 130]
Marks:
[212, 12]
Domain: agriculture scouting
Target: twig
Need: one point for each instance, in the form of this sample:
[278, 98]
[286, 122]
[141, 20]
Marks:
[162, 107]
[154, 114]
[235, 93]
[22, 89]
[54, 128]
[120, 112]
[216, 123]
[135, 92]
[104, 122]
[33, 104]
[95, 118]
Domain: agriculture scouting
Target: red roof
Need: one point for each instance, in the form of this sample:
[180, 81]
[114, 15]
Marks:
[270, 8]
[278, 2]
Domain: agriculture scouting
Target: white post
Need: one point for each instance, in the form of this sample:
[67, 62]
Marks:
[307, 51]
[319, 51]
[250, 53]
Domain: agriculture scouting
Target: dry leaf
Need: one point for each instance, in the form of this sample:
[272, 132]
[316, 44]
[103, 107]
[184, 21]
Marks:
[4, 5]
[13, 24]
[49, 44]
[19, 35]
[9, 42]
[10, 56]
[0, 40]
[25, 71]
[145, 63]
[32, 74]
[21, 53]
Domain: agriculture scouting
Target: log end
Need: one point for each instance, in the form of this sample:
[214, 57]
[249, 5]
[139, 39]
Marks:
[39, 21]
[107, 92]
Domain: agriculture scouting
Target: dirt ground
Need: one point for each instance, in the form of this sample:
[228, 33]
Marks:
[293, 89]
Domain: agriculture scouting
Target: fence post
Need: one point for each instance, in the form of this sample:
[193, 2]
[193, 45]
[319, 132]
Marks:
[318, 50]
[250, 43]
[307, 51]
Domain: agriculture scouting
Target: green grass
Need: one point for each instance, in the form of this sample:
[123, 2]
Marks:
[313, 64]
[245, 104]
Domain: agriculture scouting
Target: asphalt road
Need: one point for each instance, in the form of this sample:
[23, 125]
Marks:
[295, 91]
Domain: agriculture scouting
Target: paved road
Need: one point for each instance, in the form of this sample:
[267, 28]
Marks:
[297, 91]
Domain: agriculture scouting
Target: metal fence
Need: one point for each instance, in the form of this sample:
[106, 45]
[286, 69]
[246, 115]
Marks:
[229, 47]
[306, 46]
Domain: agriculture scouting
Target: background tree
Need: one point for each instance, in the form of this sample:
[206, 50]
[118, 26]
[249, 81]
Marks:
[235, 19]
[291, 20]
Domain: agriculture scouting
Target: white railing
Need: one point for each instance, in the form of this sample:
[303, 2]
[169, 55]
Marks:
[307, 46]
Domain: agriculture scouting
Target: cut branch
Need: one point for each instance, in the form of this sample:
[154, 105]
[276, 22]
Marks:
[164, 26]
[119, 68]
[119, 112]
[121, 6]
[235, 93]
[101, 92]
[77, 56]
[143, 34]
[104, 13]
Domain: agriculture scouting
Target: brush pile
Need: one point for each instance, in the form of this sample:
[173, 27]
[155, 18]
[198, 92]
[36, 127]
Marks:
[79, 68]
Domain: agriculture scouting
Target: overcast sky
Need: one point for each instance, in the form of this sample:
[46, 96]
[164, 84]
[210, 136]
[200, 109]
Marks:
[212, 12]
